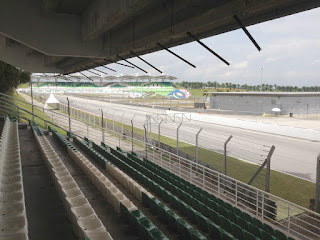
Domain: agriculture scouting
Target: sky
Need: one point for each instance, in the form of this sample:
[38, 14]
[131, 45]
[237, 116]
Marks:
[290, 55]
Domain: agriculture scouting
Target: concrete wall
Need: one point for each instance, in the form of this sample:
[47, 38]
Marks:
[264, 104]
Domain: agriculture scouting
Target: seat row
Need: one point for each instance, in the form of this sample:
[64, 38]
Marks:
[192, 208]
[213, 207]
[13, 220]
[183, 228]
[85, 221]
[134, 188]
[114, 196]
[196, 211]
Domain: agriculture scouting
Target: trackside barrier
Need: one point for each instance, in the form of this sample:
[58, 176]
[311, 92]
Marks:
[114, 196]
[13, 220]
[87, 224]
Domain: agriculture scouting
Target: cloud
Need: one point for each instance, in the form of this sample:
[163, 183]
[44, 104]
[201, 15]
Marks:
[290, 55]
[240, 65]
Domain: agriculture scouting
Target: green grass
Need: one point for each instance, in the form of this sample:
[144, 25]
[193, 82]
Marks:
[37, 112]
[282, 185]
[196, 92]
[23, 85]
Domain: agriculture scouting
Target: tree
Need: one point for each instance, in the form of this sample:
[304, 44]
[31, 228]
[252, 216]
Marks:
[11, 77]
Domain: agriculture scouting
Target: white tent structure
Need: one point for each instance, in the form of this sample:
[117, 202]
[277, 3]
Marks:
[52, 101]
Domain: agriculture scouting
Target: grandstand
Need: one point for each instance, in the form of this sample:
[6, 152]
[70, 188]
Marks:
[129, 184]
[110, 84]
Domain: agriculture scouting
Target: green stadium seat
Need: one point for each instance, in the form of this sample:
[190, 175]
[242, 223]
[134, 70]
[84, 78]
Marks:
[146, 227]
[267, 228]
[154, 205]
[182, 207]
[225, 224]
[257, 232]
[192, 215]
[197, 236]
[232, 217]
[247, 217]
[229, 207]
[173, 200]
[267, 236]
[249, 236]
[163, 213]
[173, 220]
[124, 213]
[238, 212]
[280, 235]
[145, 200]
[243, 223]
[214, 205]
[157, 235]
[215, 231]
[257, 223]
[237, 232]
[205, 210]
[226, 236]
[185, 229]
[223, 211]
[136, 216]
[203, 223]
[214, 216]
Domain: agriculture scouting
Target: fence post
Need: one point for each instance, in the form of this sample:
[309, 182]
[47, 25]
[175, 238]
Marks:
[159, 133]
[317, 197]
[102, 125]
[132, 132]
[225, 154]
[69, 115]
[197, 146]
[268, 169]
[32, 102]
[145, 140]
[178, 138]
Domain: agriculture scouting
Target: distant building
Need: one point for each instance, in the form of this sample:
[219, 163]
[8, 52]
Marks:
[264, 102]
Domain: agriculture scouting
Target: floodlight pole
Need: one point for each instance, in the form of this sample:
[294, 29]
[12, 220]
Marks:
[261, 77]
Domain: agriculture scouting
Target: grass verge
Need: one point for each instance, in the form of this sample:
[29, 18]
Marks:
[38, 112]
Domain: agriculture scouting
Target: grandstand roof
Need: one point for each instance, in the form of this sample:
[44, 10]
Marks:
[45, 78]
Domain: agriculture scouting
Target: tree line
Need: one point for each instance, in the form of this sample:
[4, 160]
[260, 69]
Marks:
[245, 87]
[11, 77]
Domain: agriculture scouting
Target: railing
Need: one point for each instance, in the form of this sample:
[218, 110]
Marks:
[288, 217]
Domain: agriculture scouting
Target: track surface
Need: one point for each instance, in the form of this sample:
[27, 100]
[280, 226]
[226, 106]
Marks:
[293, 156]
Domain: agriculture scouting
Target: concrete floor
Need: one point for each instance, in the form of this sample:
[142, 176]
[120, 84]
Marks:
[46, 216]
